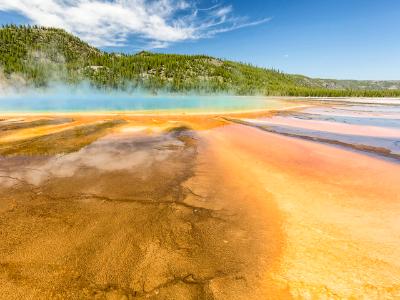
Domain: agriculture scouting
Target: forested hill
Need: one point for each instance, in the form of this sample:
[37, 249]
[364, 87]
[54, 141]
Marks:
[37, 56]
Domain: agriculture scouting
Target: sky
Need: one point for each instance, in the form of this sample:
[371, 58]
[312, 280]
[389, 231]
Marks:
[343, 39]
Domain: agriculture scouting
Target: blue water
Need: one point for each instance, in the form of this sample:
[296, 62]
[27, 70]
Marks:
[120, 103]
[363, 120]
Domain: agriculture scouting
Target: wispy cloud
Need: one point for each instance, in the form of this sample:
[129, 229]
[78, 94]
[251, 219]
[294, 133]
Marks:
[113, 22]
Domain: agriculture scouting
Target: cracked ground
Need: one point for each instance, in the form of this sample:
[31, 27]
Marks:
[126, 216]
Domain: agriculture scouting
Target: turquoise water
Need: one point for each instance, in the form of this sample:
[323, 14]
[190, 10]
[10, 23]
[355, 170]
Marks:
[120, 103]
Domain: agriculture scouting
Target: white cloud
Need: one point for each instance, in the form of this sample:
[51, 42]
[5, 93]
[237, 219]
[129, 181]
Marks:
[112, 22]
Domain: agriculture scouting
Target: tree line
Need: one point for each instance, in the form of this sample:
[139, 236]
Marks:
[43, 55]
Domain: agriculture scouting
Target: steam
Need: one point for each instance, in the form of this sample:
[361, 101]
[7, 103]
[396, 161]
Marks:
[59, 93]
[14, 83]
[18, 94]
[61, 98]
[53, 79]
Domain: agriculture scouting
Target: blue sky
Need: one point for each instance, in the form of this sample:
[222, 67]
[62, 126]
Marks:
[345, 39]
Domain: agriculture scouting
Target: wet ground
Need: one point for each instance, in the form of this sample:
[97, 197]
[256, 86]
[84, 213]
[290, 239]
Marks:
[371, 128]
[290, 204]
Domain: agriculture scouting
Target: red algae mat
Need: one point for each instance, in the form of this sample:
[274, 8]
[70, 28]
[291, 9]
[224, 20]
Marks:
[338, 212]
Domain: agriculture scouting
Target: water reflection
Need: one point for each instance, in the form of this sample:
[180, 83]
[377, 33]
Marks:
[370, 128]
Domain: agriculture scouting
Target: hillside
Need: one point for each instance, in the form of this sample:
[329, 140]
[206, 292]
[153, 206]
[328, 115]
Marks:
[36, 56]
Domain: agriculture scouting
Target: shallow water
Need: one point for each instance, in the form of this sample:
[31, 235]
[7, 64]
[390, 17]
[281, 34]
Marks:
[371, 128]
[369, 120]
[384, 112]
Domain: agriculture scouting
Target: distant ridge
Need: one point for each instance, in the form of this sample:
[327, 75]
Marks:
[37, 56]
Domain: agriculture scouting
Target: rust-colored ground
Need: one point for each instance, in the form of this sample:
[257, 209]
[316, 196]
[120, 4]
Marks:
[191, 207]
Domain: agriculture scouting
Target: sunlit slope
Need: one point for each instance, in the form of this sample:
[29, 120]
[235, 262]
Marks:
[39, 56]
